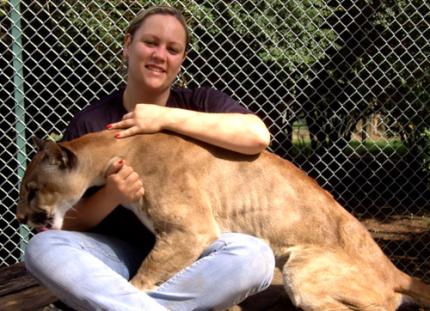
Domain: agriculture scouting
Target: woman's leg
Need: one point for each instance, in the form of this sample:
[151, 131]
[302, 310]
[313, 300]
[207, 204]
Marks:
[90, 272]
[232, 268]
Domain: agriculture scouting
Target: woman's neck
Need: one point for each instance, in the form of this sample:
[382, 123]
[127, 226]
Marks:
[133, 96]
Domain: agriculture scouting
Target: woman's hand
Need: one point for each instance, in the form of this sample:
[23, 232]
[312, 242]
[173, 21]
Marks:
[144, 119]
[123, 184]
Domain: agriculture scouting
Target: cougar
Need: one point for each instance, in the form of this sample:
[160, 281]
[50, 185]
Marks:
[195, 191]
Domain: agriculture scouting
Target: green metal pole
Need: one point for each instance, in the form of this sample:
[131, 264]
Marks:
[18, 79]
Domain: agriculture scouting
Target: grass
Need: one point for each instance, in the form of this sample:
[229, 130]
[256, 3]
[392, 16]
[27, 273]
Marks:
[386, 146]
[391, 146]
[355, 147]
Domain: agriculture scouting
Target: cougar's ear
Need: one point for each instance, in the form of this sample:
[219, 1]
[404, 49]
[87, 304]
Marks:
[70, 158]
[38, 143]
[59, 155]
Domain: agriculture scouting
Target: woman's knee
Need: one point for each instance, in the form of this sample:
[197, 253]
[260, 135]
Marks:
[41, 247]
[253, 257]
[46, 240]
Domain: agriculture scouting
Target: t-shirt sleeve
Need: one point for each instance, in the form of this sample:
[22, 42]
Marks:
[74, 129]
[96, 116]
[92, 118]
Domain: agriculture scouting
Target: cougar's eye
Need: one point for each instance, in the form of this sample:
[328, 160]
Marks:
[31, 195]
[31, 192]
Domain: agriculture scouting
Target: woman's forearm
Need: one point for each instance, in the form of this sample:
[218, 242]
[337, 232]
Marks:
[243, 133]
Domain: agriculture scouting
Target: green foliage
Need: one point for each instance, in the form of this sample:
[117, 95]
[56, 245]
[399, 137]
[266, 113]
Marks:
[90, 28]
[288, 33]
[402, 66]
[56, 137]
[406, 70]
[381, 65]
[4, 7]
[343, 75]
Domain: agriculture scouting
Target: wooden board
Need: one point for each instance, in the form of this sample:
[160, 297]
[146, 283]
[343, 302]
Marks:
[19, 291]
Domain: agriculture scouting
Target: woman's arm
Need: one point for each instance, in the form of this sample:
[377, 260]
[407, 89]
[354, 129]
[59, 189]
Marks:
[243, 133]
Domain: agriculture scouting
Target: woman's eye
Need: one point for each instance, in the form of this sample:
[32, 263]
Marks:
[149, 42]
[173, 51]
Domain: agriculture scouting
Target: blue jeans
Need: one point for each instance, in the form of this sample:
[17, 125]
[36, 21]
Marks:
[90, 271]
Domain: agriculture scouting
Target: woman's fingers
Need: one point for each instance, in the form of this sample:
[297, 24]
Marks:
[128, 185]
[123, 124]
[143, 120]
[115, 167]
[129, 115]
[128, 132]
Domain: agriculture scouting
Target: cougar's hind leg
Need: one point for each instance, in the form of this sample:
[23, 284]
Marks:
[319, 279]
[171, 253]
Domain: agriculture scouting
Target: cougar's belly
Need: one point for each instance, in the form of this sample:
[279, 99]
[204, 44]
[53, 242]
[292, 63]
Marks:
[251, 211]
[143, 216]
[281, 218]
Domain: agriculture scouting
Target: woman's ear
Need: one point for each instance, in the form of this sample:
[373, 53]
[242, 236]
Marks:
[183, 60]
[127, 42]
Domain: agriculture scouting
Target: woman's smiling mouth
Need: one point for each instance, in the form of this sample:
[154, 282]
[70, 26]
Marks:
[155, 69]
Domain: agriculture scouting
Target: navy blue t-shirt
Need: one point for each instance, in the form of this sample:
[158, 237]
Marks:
[122, 223]
[110, 109]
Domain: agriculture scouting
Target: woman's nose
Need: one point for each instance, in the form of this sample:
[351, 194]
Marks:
[159, 53]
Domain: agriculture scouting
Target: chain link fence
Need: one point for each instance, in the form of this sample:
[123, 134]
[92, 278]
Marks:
[342, 85]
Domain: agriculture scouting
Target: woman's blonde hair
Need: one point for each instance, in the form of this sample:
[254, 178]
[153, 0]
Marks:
[138, 20]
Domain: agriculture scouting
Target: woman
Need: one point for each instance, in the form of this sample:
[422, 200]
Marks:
[89, 265]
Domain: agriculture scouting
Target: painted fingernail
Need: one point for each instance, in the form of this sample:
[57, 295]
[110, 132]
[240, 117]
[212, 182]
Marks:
[120, 162]
[117, 135]
[109, 126]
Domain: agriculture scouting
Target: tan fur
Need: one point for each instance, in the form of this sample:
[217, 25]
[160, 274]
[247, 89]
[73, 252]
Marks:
[194, 191]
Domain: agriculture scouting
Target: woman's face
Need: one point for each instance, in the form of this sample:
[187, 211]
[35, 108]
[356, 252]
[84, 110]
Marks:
[155, 52]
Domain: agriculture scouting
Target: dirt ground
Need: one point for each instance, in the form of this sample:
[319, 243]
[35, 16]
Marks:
[405, 239]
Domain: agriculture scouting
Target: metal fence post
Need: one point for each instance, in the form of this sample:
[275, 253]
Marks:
[18, 80]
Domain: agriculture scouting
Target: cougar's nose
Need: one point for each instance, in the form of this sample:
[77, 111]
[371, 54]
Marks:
[39, 218]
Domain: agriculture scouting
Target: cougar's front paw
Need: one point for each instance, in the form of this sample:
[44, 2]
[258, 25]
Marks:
[140, 284]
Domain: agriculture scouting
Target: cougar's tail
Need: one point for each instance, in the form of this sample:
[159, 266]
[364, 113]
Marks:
[414, 288]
